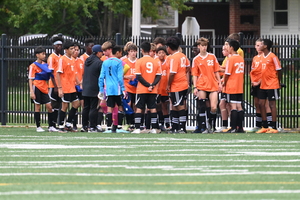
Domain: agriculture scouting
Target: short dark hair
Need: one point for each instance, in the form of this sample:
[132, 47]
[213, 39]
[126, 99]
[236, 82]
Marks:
[115, 49]
[88, 41]
[131, 47]
[77, 45]
[235, 44]
[173, 42]
[39, 49]
[268, 42]
[68, 44]
[146, 46]
[161, 48]
[234, 36]
[159, 40]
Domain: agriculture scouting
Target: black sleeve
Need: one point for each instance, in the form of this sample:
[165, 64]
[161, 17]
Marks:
[156, 80]
[142, 80]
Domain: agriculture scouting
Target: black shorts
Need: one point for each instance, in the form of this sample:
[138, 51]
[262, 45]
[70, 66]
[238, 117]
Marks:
[255, 90]
[234, 98]
[148, 100]
[54, 95]
[271, 95]
[223, 96]
[162, 99]
[79, 95]
[178, 98]
[111, 101]
[69, 97]
[132, 97]
[40, 97]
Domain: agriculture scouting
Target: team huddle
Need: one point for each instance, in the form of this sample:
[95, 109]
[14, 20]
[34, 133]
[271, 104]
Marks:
[149, 94]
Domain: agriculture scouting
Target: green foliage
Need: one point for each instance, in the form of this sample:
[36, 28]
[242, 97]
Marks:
[73, 16]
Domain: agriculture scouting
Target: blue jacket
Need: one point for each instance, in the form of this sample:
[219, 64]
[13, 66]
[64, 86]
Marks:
[112, 77]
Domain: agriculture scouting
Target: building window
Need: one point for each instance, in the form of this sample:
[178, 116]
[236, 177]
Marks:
[281, 13]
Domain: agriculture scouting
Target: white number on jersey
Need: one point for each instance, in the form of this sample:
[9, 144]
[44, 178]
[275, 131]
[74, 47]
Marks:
[149, 66]
[239, 67]
[183, 62]
[210, 63]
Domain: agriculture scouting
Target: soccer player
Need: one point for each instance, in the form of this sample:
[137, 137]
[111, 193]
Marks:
[163, 98]
[66, 79]
[39, 74]
[130, 81]
[112, 76]
[92, 68]
[178, 84]
[269, 86]
[255, 76]
[234, 86]
[79, 67]
[53, 65]
[88, 43]
[148, 73]
[206, 79]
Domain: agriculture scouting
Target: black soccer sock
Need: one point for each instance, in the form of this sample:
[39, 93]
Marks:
[154, 120]
[208, 109]
[108, 119]
[120, 118]
[258, 121]
[201, 114]
[167, 120]
[37, 119]
[55, 117]
[99, 118]
[225, 123]
[234, 116]
[273, 125]
[182, 119]
[72, 114]
[50, 119]
[148, 120]
[265, 123]
[175, 120]
[213, 119]
[269, 118]
[137, 120]
[62, 116]
[75, 120]
[240, 119]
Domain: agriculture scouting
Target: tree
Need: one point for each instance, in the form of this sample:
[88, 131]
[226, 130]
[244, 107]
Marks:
[74, 17]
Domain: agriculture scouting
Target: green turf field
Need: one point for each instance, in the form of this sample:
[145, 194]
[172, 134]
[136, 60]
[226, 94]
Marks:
[80, 166]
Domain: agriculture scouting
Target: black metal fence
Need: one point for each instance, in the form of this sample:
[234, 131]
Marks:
[16, 54]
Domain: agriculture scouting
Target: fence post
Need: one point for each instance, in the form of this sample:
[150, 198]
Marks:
[3, 96]
[179, 35]
[118, 39]
[241, 38]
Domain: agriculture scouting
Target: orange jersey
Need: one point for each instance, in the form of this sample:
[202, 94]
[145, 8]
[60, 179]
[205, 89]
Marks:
[84, 56]
[165, 71]
[148, 68]
[270, 65]
[255, 73]
[205, 68]
[235, 71]
[178, 66]
[79, 68]
[67, 72]
[40, 84]
[53, 65]
[131, 71]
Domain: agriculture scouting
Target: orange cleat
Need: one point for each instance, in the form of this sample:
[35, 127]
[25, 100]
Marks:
[263, 130]
[271, 130]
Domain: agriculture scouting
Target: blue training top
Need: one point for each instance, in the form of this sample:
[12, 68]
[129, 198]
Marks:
[112, 77]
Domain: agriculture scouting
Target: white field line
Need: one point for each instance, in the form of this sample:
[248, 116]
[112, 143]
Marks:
[156, 175]
[164, 167]
[141, 161]
[271, 153]
[54, 146]
[151, 192]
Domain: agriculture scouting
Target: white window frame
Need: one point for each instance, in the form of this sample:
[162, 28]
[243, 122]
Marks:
[283, 11]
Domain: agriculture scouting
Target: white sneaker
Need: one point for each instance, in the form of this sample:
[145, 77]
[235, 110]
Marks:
[145, 131]
[155, 131]
[220, 130]
[52, 129]
[136, 131]
[40, 129]
[99, 127]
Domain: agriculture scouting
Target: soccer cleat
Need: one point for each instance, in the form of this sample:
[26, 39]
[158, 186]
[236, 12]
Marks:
[206, 131]
[162, 128]
[52, 129]
[198, 130]
[122, 131]
[240, 130]
[84, 129]
[220, 130]
[262, 130]
[253, 130]
[99, 128]
[182, 132]
[272, 130]
[136, 131]
[155, 131]
[93, 130]
[228, 130]
[68, 127]
[62, 130]
[145, 131]
[40, 129]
